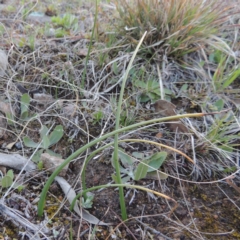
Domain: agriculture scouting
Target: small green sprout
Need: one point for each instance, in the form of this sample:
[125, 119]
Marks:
[7, 180]
[138, 169]
[46, 141]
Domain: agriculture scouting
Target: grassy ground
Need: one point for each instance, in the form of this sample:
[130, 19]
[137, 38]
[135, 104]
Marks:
[67, 64]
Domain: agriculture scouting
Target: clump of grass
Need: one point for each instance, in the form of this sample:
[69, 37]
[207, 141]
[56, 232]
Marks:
[174, 27]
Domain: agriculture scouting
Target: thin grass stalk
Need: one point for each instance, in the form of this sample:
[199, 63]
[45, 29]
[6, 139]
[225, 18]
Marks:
[115, 155]
[85, 163]
[89, 48]
[74, 155]
[91, 156]
[124, 185]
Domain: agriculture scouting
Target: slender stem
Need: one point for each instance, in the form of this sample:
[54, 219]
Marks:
[43, 195]
[115, 155]
[120, 185]
[89, 47]
[85, 163]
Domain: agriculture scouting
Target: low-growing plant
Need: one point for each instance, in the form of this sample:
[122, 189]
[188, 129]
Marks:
[174, 28]
[150, 90]
[97, 117]
[24, 110]
[7, 180]
[67, 22]
[25, 102]
[88, 201]
[27, 42]
[225, 73]
[47, 140]
[115, 154]
[223, 131]
[137, 167]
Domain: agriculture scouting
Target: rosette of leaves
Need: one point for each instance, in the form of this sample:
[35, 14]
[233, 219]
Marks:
[47, 140]
[138, 166]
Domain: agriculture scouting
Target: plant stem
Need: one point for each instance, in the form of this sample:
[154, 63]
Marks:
[115, 155]
[122, 185]
[89, 47]
[43, 195]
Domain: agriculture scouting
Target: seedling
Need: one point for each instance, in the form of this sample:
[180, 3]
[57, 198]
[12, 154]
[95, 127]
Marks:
[7, 180]
[46, 141]
[151, 90]
[25, 102]
[67, 22]
[24, 115]
[87, 203]
[98, 116]
[138, 169]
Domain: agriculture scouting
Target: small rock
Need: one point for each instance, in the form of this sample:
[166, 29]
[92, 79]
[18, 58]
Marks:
[38, 17]
[52, 162]
[3, 170]
[181, 212]
[18, 145]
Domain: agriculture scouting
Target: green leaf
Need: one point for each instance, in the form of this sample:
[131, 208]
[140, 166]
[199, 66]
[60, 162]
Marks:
[144, 98]
[157, 175]
[219, 104]
[138, 155]
[125, 158]
[40, 165]
[44, 131]
[141, 171]
[20, 188]
[6, 181]
[156, 161]
[154, 97]
[56, 135]
[37, 156]
[29, 142]
[168, 91]
[184, 87]
[140, 84]
[114, 178]
[232, 77]
[10, 118]
[87, 203]
[25, 101]
[10, 174]
[115, 68]
[46, 142]
[50, 152]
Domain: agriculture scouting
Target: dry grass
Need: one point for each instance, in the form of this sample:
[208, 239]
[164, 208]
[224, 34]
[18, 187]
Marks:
[174, 28]
[198, 42]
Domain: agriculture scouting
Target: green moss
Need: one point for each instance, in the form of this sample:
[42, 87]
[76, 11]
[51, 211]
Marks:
[236, 235]
[204, 197]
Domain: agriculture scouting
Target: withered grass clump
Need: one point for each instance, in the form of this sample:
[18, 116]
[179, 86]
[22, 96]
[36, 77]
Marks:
[174, 27]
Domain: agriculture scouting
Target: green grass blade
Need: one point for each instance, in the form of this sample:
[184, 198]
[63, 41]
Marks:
[115, 156]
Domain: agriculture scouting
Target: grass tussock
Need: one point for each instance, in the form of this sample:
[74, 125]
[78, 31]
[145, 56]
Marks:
[173, 27]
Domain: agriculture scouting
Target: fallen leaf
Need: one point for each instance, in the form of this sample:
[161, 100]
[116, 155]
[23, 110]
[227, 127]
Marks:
[159, 135]
[70, 194]
[43, 98]
[52, 162]
[155, 175]
[166, 109]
